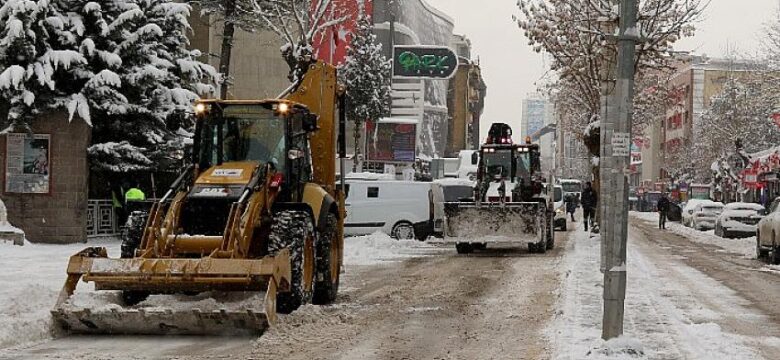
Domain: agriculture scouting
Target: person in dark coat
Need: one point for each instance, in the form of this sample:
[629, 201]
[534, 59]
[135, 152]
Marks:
[589, 202]
[571, 205]
[663, 210]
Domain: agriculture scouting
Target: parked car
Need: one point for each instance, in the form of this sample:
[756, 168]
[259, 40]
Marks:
[571, 186]
[687, 211]
[675, 212]
[397, 208]
[447, 190]
[651, 201]
[768, 234]
[739, 220]
[705, 215]
[559, 206]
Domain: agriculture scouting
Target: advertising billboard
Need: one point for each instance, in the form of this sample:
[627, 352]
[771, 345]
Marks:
[391, 140]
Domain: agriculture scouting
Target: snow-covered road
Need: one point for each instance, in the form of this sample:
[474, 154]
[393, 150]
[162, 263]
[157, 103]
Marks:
[690, 296]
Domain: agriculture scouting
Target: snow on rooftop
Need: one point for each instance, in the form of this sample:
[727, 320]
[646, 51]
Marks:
[369, 176]
[454, 182]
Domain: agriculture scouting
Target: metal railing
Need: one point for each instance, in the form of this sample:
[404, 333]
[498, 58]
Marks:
[101, 218]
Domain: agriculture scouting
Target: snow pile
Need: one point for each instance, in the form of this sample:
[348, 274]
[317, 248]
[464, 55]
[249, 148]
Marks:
[664, 308]
[745, 247]
[31, 279]
[619, 348]
[379, 247]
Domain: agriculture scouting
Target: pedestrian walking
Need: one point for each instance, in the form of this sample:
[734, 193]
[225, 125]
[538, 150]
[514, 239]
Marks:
[589, 201]
[663, 210]
[571, 205]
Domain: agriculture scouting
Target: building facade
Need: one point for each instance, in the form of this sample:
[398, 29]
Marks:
[465, 100]
[537, 112]
[697, 80]
[44, 178]
[415, 22]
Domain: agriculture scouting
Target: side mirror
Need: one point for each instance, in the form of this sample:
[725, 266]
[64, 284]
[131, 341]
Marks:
[310, 122]
[474, 158]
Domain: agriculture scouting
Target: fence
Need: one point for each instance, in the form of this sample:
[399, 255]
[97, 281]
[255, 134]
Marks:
[101, 219]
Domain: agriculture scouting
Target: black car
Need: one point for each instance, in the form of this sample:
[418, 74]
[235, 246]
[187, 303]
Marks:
[675, 212]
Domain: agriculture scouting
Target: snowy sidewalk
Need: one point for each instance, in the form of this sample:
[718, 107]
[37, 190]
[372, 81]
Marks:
[671, 309]
[30, 281]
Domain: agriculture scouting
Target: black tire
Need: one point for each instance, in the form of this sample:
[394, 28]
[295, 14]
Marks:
[325, 286]
[760, 253]
[541, 246]
[774, 253]
[551, 235]
[290, 229]
[464, 248]
[402, 230]
[132, 232]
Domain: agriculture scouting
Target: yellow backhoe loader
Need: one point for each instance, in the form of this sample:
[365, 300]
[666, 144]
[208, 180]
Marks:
[257, 210]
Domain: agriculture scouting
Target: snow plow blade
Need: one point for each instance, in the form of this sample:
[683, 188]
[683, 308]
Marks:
[161, 322]
[513, 221]
[171, 276]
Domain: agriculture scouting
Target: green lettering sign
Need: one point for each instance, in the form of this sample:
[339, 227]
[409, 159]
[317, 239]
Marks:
[424, 62]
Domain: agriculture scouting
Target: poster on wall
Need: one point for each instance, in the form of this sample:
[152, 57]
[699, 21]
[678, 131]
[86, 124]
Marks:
[27, 163]
[391, 140]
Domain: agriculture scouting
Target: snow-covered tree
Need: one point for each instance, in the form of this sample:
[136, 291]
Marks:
[576, 35]
[298, 23]
[122, 66]
[742, 112]
[31, 59]
[366, 75]
[232, 14]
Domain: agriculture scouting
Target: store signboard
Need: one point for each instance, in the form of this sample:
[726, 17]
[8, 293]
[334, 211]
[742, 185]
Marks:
[391, 140]
[700, 192]
[424, 62]
[27, 163]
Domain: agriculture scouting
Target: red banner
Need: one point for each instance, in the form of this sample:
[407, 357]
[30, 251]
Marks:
[331, 44]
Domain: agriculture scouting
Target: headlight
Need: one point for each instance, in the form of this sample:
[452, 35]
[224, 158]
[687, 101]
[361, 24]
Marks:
[558, 211]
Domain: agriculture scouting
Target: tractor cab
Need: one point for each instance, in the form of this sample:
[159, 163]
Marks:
[238, 141]
[503, 161]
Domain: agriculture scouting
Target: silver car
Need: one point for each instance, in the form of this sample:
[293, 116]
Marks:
[705, 215]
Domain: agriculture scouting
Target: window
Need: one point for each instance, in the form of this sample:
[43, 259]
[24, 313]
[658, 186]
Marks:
[372, 192]
[249, 132]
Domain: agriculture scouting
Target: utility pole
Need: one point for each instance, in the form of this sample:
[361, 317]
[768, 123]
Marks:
[615, 151]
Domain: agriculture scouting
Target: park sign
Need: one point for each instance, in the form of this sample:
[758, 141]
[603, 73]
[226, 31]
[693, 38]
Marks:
[424, 62]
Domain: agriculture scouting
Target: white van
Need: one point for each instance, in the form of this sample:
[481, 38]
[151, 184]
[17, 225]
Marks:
[448, 190]
[398, 208]
[571, 186]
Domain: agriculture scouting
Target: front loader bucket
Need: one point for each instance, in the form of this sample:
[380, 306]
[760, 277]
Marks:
[169, 276]
[221, 322]
[513, 221]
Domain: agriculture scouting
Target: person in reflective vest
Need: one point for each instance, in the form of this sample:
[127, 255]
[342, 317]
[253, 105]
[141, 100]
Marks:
[134, 198]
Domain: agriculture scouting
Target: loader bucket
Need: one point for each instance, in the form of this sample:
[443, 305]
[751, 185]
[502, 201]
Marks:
[518, 221]
[167, 276]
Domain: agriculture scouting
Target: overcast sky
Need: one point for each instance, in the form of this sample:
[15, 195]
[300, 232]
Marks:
[512, 70]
